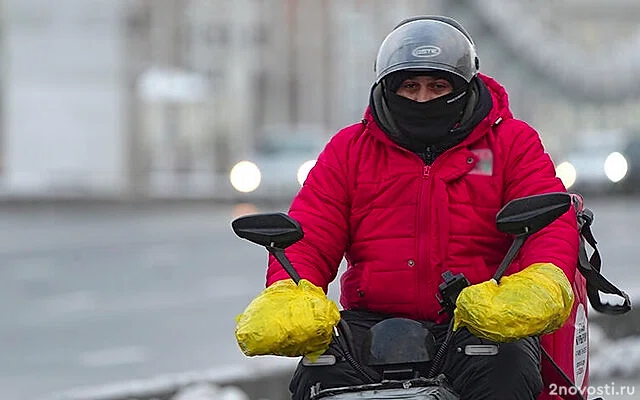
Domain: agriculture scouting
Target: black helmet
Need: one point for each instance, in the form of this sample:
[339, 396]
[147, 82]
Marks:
[428, 43]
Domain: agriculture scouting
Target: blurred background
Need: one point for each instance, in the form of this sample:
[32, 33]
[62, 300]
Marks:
[133, 131]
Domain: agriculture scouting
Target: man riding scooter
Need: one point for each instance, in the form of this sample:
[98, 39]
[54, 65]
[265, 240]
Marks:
[411, 192]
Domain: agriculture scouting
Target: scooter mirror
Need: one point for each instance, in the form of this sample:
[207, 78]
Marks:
[528, 215]
[277, 230]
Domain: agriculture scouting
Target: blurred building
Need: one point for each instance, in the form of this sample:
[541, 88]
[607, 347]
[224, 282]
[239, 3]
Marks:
[160, 97]
[63, 97]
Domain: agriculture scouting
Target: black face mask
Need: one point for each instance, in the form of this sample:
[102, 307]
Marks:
[427, 122]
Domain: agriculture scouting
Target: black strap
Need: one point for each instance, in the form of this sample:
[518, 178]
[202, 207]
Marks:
[590, 269]
[563, 376]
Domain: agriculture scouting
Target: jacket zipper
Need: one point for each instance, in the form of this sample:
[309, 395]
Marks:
[422, 266]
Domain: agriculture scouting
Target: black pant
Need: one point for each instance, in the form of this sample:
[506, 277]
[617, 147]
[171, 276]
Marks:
[511, 374]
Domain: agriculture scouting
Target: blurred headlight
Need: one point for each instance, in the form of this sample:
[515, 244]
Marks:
[567, 173]
[304, 169]
[245, 176]
[615, 167]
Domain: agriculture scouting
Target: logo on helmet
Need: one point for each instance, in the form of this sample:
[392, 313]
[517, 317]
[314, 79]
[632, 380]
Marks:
[426, 51]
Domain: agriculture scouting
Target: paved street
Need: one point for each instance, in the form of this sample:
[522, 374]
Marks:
[99, 295]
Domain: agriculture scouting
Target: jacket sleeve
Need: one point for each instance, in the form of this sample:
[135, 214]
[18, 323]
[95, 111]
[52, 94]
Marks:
[529, 171]
[321, 207]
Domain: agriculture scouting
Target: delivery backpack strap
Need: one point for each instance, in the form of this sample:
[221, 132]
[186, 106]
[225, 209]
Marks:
[589, 267]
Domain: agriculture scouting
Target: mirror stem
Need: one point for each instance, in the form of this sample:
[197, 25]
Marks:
[284, 261]
[513, 250]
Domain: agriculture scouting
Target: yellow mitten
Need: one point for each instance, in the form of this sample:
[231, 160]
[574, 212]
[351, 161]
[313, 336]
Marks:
[534, 301]
[287, 320]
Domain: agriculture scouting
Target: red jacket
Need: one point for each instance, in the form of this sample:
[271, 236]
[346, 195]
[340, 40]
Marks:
[400, 224]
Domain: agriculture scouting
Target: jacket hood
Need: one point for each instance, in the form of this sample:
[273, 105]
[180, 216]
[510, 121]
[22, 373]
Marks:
[501, 108]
